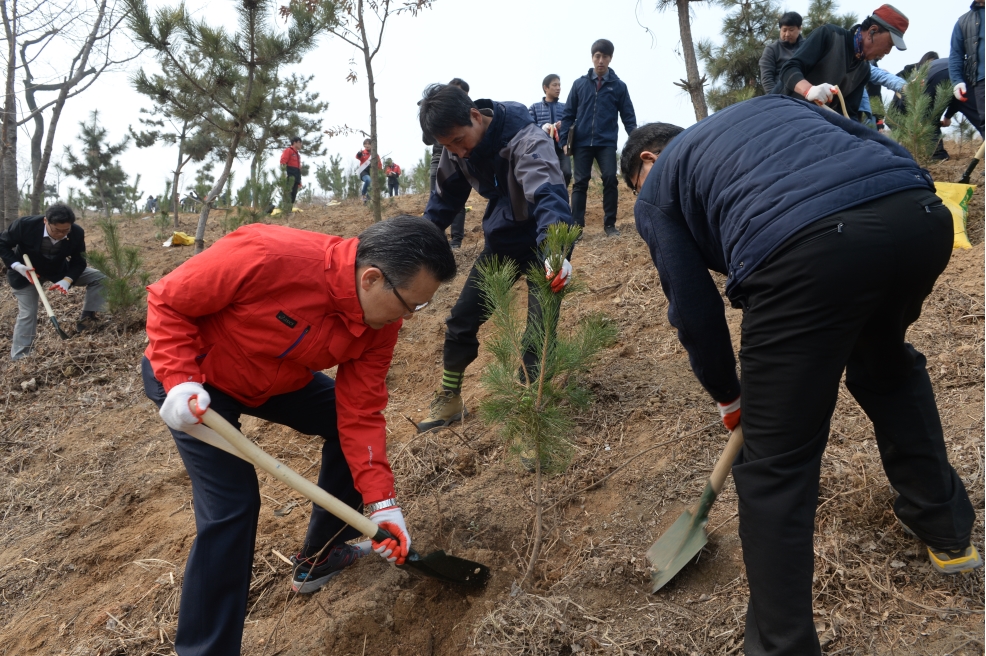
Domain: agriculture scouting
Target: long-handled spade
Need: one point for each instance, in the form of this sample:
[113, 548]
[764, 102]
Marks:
[44, 298]
[436, 565]
[687, 535]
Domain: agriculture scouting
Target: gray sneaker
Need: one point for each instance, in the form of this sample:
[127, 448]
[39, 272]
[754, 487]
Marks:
[446, 407]
[309, 576]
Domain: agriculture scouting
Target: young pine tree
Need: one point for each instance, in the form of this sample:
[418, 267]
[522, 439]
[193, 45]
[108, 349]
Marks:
[97, 166]
[125, 281]
[534, 405]
[917, 127]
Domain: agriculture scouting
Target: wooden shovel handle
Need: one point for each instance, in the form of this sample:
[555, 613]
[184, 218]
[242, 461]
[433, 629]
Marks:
[286, 475]
[33, 275]
[725, 463]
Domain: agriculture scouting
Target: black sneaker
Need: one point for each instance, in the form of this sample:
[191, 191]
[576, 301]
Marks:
[455, 244]
[308, 578]
[611, 231]
[87, 322]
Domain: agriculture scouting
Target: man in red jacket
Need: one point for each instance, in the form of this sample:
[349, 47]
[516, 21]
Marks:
[393, 173]
[291, 162]
[247, 328]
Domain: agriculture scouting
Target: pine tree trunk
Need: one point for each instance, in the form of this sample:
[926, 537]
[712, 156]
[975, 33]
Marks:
[375, 191]
[174, 184]
[691, 63]
[213, 194]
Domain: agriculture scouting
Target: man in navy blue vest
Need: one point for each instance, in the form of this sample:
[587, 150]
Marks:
[593, 104]
[831, 237]
[547, 113]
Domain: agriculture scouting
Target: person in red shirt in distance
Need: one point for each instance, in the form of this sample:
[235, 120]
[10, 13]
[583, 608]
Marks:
[291, 162]
[247, 327]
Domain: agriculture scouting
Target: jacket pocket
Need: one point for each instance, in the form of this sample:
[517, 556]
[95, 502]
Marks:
[804, 240]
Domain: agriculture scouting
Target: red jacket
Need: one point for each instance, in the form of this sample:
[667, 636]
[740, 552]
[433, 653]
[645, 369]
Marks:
[291, 157]
[364, 155]
[258, 312]
[393, 169]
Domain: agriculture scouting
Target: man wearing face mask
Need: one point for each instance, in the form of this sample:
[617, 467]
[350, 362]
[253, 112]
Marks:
[834, 59]
[247, 327]
[496, 149]
[776, 54]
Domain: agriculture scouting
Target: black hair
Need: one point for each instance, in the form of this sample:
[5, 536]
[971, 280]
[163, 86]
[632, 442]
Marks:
[653, 137]
[442, 108]
[295, 139]
[403, 246]
[870, 22]
[604, 46]
[60, 213]
[459, 82]
[548, 79]
[931, 55]
[790, 19]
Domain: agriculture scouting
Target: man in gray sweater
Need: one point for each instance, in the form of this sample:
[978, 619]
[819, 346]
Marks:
[778, 52]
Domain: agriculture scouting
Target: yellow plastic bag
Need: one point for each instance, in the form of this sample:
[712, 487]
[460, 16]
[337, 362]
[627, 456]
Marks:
[956, 198]
[179, 239]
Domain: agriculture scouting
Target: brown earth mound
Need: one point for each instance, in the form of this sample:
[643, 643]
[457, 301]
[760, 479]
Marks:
[95, 505]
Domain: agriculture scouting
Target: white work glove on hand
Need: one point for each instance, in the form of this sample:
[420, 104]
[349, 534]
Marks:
[821, 93]
[959, 91]
[177, 413]
[558, 282]
[22, 269]
[62, 286]
[551, 130]
[393, 550]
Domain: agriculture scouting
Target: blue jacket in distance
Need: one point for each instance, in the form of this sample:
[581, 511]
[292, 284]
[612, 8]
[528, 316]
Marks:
[515, 167]
[726, 192]
[593, 114]
[544, 112]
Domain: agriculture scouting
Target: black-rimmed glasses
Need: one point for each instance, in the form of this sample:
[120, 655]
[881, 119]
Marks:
[393, 288]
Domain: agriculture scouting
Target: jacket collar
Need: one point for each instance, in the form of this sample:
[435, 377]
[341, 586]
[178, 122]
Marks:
[490, 143]
[340, 276]
[609, 77]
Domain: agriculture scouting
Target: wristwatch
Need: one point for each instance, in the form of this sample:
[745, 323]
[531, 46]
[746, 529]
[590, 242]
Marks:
[380, 505]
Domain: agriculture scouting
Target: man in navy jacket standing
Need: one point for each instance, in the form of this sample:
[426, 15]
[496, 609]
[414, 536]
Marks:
[591, 111]
[496, 149]
[831, 237]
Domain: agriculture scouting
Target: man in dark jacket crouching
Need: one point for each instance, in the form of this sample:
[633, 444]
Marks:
[831, 237]
[56, 246]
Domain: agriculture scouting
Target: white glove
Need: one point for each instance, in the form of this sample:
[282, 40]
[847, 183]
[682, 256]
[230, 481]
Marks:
[177, 413]
[558, 282]
[22, 269]
[62, 286]
[959, 91]
[547, 127]
[395, 549]
[551, 130]
[821, 93]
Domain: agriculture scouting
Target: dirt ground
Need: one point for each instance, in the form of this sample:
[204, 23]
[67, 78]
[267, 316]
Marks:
[96, 519]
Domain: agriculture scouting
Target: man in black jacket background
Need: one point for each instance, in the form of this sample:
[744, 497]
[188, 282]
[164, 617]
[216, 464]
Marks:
[776, 54]
[56, 246]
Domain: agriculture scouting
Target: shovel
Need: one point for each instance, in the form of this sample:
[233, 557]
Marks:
[437, 565]
[33, 275]
[687, 535]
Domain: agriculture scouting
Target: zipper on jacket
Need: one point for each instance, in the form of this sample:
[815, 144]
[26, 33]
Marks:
[296, 342]
[595, 103]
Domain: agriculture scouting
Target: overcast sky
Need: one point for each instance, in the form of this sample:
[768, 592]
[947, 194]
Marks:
[503, 49]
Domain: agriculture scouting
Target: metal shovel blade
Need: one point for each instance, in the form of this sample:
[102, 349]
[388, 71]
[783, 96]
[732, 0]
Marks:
[61, 333]
[450, 569]
[680, 543]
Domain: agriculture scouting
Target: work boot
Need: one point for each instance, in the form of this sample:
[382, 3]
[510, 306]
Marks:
[957, 561]
[87, 321]
[446, 407]
[456, 243]
[308, 577]
[611, 231]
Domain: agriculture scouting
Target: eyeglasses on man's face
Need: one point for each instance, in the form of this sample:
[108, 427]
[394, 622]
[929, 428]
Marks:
[393, 288]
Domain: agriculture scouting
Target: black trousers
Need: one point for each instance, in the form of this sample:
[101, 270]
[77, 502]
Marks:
[468, 313]
[226, 500]
[606, 157]
[838, 296]
[393, 187]
[294, 172]
[565, 162]
[458, 228]
[974, 108]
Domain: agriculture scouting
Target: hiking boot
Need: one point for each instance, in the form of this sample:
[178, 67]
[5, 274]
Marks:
[309, 578]
[87, 321]
[446, 407]
[957, 561]
[611, 231]
[456, 243]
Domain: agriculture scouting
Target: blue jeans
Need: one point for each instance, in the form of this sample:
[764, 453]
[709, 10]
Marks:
[226, 500]
[606, 157]
[366, 184]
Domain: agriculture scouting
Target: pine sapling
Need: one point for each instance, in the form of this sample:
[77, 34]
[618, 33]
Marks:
[125, 281]
[917, 128]
[534, 379]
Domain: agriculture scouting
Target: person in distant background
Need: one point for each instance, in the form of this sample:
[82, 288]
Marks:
[547, 113]
[777, 53]
[393, 173]
[364, 169]
[965, 64]
[291, 164]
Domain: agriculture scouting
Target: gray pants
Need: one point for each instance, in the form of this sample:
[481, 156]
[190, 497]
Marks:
[26, 327]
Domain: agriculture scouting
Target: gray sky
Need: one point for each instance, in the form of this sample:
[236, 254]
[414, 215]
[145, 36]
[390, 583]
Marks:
[503, 49]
